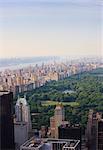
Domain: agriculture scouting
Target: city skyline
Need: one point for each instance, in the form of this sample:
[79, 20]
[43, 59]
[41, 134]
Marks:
[50, 28]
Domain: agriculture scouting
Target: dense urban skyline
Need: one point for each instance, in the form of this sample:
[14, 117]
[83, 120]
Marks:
[43, 27]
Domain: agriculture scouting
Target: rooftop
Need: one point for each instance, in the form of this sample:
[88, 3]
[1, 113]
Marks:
[4, 92]
[21, 101]
[59, 106]
[70, 126]
[49, 144]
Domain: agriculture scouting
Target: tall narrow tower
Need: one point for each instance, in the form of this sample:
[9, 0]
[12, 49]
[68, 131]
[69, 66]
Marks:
[22, 121]
[59, 113]
[6, 121]
[59, 117]
[57, 120]
[22, 112]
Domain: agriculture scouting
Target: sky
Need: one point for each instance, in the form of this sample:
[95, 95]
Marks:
[51, 28]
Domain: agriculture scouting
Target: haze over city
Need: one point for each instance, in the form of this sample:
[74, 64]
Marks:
[51, 74]
[50, 28]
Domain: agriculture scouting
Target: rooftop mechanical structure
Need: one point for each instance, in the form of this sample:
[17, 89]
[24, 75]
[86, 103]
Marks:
[50, 144]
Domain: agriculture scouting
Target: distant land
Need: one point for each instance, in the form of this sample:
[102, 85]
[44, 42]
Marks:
[16, 63]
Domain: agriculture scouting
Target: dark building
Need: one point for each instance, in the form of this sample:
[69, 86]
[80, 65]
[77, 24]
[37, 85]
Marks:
[100, 135]
[70, 132]
[94, 133]
[6, 121]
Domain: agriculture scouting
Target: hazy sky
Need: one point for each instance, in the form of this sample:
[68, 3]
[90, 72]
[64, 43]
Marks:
[50, 27]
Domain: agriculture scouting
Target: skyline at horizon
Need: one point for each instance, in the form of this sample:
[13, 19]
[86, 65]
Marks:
[50, 28]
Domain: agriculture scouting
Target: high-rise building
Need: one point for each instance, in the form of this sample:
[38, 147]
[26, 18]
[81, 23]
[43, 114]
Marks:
[94, 132]
[53, 76]
[100, 135]
[52, 127]
[22, 111]
[19, 80]
[70, 132]
[22, 122]
[59, 117]
[6, 121]
[43, 131]
[57, 120]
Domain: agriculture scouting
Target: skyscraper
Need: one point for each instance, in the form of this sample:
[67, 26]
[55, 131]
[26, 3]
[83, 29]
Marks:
[70, 132]
[94, 131]
[100, 135]
[59, 117]
[6, 121]
[57, 120]
[22, 111]
[22, 121]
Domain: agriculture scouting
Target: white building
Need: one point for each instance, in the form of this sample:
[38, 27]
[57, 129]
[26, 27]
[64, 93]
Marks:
[22, 123]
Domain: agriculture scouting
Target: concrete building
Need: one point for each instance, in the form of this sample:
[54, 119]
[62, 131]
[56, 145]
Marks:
[94, 132]
[21, 133]
[53, 76]
[43, 131]
[57, 120]
[22, 122]
[68, 131]
[6, 121]
[100, 135]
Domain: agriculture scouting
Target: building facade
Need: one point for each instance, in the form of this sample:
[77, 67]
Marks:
[57, 120]
[22, 122]
[70, 132]
[94, 132]
[6, 121]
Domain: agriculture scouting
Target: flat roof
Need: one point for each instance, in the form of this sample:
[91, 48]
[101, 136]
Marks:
[4, 92]
[68, 126]
[34, 143]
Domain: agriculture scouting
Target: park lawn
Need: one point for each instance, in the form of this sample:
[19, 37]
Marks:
[51, 103]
